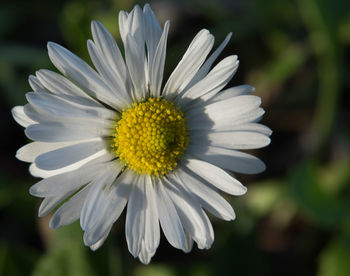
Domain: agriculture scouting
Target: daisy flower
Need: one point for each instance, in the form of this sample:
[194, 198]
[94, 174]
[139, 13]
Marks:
[113, 137]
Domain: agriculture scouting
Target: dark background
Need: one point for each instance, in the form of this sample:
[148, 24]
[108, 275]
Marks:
[295, 218]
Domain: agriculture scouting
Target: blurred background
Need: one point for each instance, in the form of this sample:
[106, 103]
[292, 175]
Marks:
[295, 218]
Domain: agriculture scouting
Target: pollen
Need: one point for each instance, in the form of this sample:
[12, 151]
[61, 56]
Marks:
[151, 137]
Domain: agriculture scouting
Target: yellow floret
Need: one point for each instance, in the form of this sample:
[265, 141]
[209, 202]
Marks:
[151, 137]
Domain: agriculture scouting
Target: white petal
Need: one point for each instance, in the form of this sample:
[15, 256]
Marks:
[190, 63]
[169, 218]
[188, 243]
[62, 107]
[152, 31]
[30, 151]
[69, 212]
[135, 217]
[112, 79]
[117, 198]
[66, 182]
[99, 243]
[215, 176]
[192, 216]
[152, 234]
[124, 25]
[156, 67]
[69, 155]
[228, 109]
[95, 203]
[231, 160]
[238, 140]
[59, 85]
[49, 203]
[217, 78]
[233, 92]
[70, 130]
[132, 24]
[210, 199]
[110, 50]
[230, 125]
[203, 71]
[78, 70]
[135, 60]
[145, 256]
[35, 84]
[101, 156]
[20, 117]
[251, 127]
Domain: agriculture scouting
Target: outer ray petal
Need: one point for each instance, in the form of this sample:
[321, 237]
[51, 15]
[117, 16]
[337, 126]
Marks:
[135, 217]
[189, 64]
[118, 195]
[216, 176]
[169, 218]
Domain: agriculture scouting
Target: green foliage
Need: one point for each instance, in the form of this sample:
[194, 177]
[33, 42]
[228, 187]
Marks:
[67, 255]
[334, 260]
[311, 192]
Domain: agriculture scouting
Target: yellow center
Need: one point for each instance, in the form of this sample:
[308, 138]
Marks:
[151, 136]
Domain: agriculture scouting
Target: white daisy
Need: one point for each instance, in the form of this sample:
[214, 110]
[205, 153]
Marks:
[111, 138]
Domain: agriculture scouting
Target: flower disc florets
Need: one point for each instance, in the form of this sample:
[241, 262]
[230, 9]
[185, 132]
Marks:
[151, 136]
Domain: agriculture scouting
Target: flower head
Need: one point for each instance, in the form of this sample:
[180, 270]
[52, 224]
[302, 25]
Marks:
[113, 137]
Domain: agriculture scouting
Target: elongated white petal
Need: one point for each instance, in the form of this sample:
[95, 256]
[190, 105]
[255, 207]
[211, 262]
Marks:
[210, 199]
[66, 182]
[78, 70]
[191, 215]
[20, 117]
[67, 131]
[156, 68]
[145, 255]
[169, 218]
[36, 84]
[223, 110]
[110, 50]
[59, 85]
[69, 212]
[135, 60]
[132, 23]
[117, 198]
[215, 176]
[152, 31]
[229, 93]
[232, 160]
[188, 243]
[92, 126]
[152, 234]
[49, 203]
[135, 217]
[238, 140]
[255, 127]
[62, 107]
[190, 63]
[112, 79]
[101, 156]
[228, 125]
[99, 243]
[30, 151]
[94, 205]
[217, 78]
[203, 71]
[66, 156]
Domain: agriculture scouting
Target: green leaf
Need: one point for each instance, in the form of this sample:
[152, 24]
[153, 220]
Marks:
[325, 208]
[334, 260]
[67, 256]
